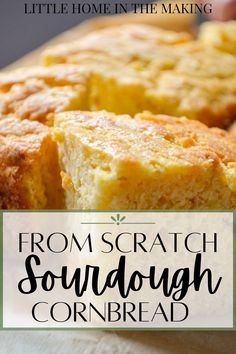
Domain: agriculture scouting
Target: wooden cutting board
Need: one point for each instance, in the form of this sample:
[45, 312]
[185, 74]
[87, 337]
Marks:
[110, 342]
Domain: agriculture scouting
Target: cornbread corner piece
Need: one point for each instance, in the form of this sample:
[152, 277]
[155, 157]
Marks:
[126, 42]
[35, 93]
[221, 35]
[29, 170]
[146, 162]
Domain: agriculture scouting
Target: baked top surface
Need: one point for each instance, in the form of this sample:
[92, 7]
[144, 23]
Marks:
[171, 73]
[57, 75]
[156, 141]
[141, 46]
[29, 170]
[20, 138]
[128, 42]
[21, 150]
[137, 47]
[179, 76]
[221, 35]
[10, 126]
[36, 92]
[65, 75]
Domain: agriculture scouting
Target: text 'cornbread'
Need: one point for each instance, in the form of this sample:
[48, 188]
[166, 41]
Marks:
[29, 170]
[149, 162]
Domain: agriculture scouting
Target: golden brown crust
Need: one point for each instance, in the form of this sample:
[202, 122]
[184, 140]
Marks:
[34, 93]
[150, 138]
[23, 166]
[125, 42]
[56, 75]
[149, 162]
[210, 100]
[176, 76]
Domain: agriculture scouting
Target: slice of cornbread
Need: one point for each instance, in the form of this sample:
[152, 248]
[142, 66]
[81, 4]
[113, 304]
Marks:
[221, 35]
[127, 43]
[210, 100]
[196, 60]
[149, 162]
[35, 93]
[29, 170]
[138, 69]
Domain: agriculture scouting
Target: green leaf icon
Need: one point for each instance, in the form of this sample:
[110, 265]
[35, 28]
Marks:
[118, 219]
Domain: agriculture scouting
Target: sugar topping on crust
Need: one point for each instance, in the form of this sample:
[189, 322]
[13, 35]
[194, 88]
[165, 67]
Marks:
[36, 92]
[149, 137]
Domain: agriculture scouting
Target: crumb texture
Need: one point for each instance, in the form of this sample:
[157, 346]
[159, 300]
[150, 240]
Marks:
[29, 171]
[149, 162]
[110, 160]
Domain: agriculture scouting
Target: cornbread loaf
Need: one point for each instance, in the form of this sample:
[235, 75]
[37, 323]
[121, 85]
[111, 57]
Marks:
[35, 93]
[135, 68]
[221, 35]
[146, 162]
[29, 170]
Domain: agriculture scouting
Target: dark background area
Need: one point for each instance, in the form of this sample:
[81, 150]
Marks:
[21, 33]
